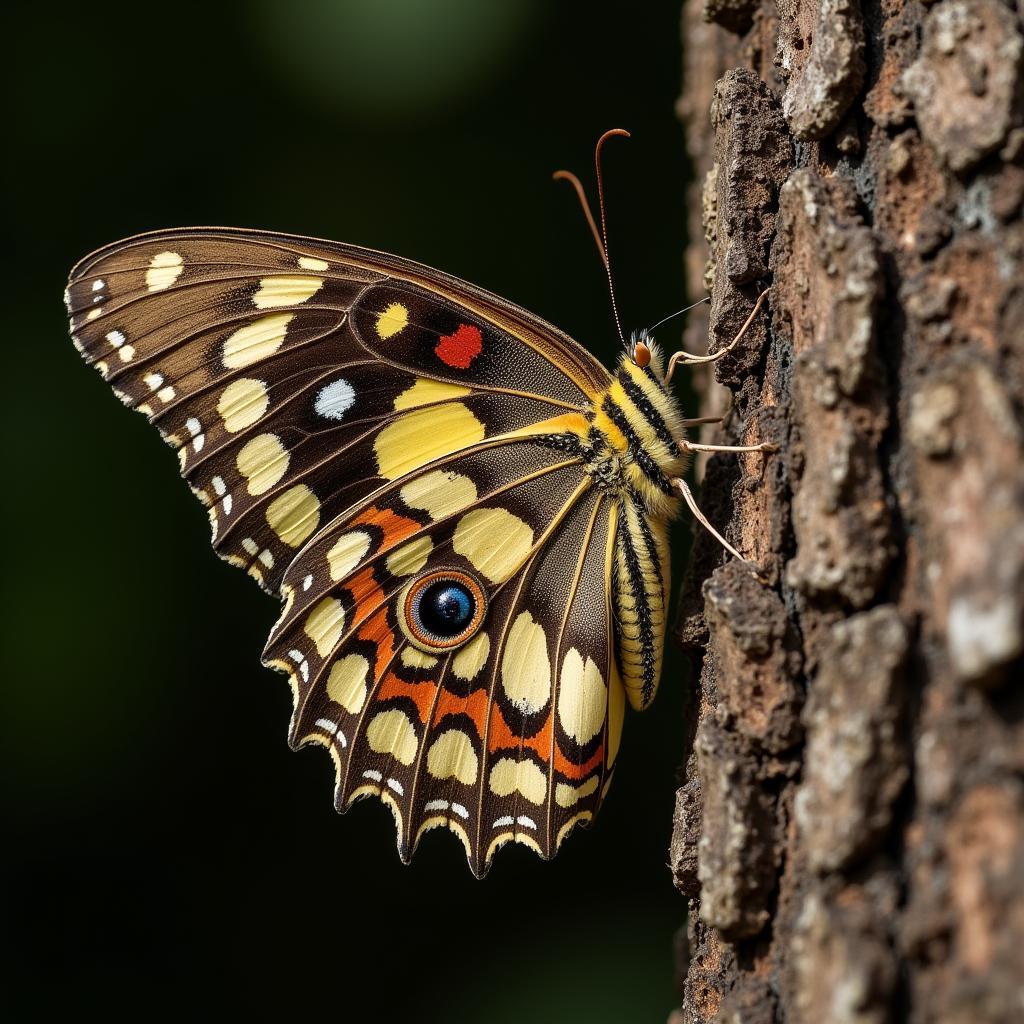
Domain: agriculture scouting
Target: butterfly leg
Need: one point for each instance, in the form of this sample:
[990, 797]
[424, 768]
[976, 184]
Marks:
[689, 359]
[764, 446]
[688, 497]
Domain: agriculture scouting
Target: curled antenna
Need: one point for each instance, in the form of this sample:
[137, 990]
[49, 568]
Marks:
[600, 238]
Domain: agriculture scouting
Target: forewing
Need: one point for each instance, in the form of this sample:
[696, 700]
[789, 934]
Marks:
[294, 377]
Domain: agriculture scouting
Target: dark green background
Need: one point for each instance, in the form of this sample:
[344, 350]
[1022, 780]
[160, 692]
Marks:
[163, 842]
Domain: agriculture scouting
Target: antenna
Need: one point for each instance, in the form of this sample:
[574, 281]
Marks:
[679, 312]
[600, 238]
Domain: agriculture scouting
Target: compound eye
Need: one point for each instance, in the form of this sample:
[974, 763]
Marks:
[641, 354]
[442, 610]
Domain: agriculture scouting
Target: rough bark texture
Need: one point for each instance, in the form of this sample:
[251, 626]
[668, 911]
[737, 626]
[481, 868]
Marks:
[850, 831]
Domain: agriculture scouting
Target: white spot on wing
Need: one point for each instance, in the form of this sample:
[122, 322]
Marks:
[396, 786]
[373, 774]
[335, 399]
[460, 810]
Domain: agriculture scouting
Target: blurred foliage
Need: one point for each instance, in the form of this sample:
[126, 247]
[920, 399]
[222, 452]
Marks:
[163, 842]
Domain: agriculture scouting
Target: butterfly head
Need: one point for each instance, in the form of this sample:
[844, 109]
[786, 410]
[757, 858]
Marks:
[644, 352]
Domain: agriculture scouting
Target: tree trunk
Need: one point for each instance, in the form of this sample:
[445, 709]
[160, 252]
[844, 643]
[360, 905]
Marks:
[850, 832]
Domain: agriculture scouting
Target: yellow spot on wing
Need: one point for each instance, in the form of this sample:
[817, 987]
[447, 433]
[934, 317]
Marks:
[616, 713]
[494, 541]
[294, 515]
[346, 684]
[263, 461]
[426, 391]
[419, 437]
[467, 663]
[394, 319]
[347, 552]
[525, 667]
[439, 493]
[325, 624]
[242, 403]
[566, 796]
[256, 341]
[509, 776]
[582, 697]
[312, 263]
[410, 557]
[164, 269]
[285, 291]
[413, 658]
[391, 732]
[451, 756]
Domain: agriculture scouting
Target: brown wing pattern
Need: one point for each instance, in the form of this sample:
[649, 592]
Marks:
[353, 421]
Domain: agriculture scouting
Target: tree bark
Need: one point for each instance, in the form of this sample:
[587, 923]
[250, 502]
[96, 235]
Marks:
[850, 831]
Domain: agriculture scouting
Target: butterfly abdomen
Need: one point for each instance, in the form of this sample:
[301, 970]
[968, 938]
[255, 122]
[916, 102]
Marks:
[637, 440]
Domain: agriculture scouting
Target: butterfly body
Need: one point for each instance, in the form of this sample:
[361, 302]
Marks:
[465, 515]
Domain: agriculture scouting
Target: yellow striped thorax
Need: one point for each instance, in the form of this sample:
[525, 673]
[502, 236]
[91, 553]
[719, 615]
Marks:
[634, 447]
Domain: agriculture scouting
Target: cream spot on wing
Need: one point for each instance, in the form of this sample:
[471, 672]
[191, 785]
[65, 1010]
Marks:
[294, 515]
[312, 263]
[164, 269]
[413, 658]
[325, 624]
[347, 552]
[126, 353]
[249, 545]
[582, 697]
[166, 394]
[394, 319]
[494, 541]
[439, 493]
[346, 684]
[509, 776]
[467, 663]
[410, 557]
[451, 756]
[426, 391]
[419, 437]
[334, 400]
[391, 732]
[566, 795]
[219, 487]
[525, 668]
[93, 313]
[263, 461]
[154, 381]
[256, 341]
[284, 290]
[616, 713]
[242, 403]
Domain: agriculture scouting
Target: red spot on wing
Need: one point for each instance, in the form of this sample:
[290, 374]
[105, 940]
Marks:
[461, 348]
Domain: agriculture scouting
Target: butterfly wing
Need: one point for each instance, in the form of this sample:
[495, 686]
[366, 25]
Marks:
[315, 392]
[510, 737]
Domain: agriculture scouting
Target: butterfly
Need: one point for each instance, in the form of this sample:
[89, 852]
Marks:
[463, 512]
